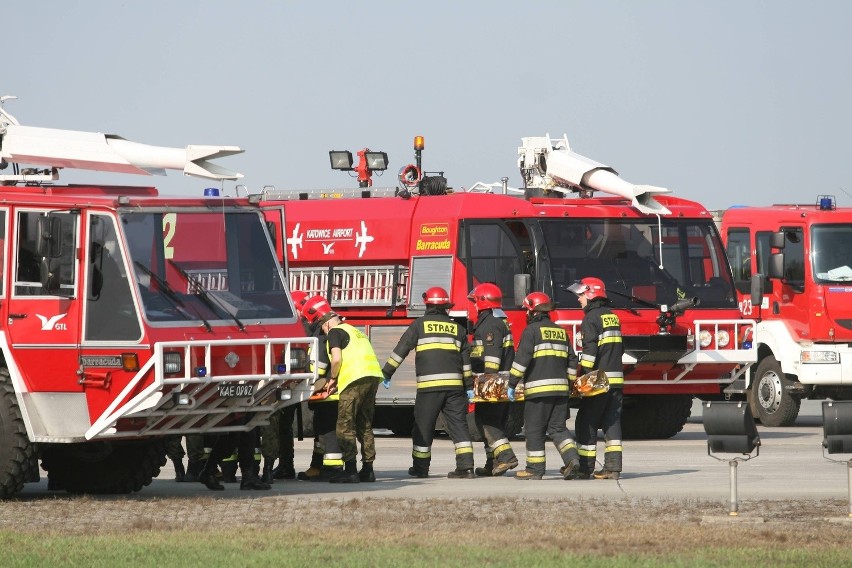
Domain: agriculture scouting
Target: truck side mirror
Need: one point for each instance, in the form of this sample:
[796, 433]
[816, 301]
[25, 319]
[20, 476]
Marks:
[776, 265]
[49, 274]
[757, 289]
[48, 237]
[778, 239]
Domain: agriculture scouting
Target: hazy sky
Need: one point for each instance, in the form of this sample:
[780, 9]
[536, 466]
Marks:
[724, 102]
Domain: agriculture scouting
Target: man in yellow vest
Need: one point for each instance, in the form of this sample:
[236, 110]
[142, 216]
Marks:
[354, 367]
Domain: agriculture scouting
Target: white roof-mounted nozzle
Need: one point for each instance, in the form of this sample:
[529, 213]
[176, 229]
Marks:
[106, 152]
[550, 165]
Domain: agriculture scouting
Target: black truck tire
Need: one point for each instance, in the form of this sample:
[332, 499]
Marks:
[103, 468]
[654, 417]
[17, 454]
[770, 401]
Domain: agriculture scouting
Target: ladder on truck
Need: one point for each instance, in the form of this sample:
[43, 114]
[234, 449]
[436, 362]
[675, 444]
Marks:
[383, 286]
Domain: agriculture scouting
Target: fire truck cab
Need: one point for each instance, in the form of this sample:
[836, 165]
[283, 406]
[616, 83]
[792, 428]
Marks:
[131, 316]
[373, 252]
[792, 267]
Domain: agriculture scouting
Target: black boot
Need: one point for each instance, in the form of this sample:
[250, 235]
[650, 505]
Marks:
[180, 472]
[252, 481]
[284, 470]
[208, 478]
[267, 475]
[486, 471]
[348, 475]
[367, 474]
[193, 470]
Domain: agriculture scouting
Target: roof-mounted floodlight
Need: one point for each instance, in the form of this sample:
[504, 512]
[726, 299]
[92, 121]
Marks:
[368, 162]
[376, 161]
[730, 430]
[341, 160]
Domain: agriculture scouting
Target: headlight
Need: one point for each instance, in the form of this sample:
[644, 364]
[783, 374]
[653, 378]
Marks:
[705, 338]
[298, 359]
[722, 338]
[820, 357]
[578, 340]
[172, 363]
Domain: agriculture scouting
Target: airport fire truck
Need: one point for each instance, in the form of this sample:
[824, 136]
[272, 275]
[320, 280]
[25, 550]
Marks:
[130, 316]
[792, 267]
[373, 252]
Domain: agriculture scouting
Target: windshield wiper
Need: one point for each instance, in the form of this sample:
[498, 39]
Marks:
[210, 301]
[169, 293]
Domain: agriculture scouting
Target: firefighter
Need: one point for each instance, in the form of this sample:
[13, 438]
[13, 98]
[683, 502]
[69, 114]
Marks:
[357, 374]
[276, 439]
[223, 446]
[442, 366]
[326, 458]
[492, 350]
[602, 349]
[542, 364]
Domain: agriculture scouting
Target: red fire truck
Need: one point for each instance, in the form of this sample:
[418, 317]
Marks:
[373, 252]
[792, 267]
[130, 316]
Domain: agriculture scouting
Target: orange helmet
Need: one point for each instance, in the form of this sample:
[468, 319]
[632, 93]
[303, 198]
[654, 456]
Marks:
[438, 297]
[537, 302]
[589, 287]
[486, 296]
[316, 309]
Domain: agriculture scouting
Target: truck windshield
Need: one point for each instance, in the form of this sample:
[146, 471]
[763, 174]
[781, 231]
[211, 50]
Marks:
[830, 252]
[626, 256]
[206, 267]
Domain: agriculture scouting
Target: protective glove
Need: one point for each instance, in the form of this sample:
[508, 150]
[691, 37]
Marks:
[470, 396]
[386, 382]
[511, 394]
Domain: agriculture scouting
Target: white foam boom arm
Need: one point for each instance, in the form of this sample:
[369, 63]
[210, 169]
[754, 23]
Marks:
[570, 168]
[110, 153]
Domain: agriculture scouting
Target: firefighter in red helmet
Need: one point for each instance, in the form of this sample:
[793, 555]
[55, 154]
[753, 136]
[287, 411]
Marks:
[442, 366]
[602, 349]
[326, 458]
[276, 438]
[542, 364]
[492, 350]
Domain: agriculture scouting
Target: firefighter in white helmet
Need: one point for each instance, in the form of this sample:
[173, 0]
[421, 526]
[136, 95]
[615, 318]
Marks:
[542, 364]
[493, 350]
[602, 349]
[442, 366]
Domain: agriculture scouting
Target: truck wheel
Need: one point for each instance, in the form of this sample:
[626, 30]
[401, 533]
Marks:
[654, 417]
[17, 456]
[769, 399]
[104, 467]
[402, 421]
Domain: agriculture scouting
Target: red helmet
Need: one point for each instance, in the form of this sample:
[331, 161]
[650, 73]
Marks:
[437, 296]
[537, 302]
[316, 308]
[486, 296]
[299, 298]
[589, 287]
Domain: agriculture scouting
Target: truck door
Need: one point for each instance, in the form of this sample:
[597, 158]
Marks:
[44, 306]
[789, 300]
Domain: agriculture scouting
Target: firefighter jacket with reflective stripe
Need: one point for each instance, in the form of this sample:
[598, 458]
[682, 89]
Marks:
[542, 359]
[492, 349]
[358, 358]
[442, 355]
[602, 344]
